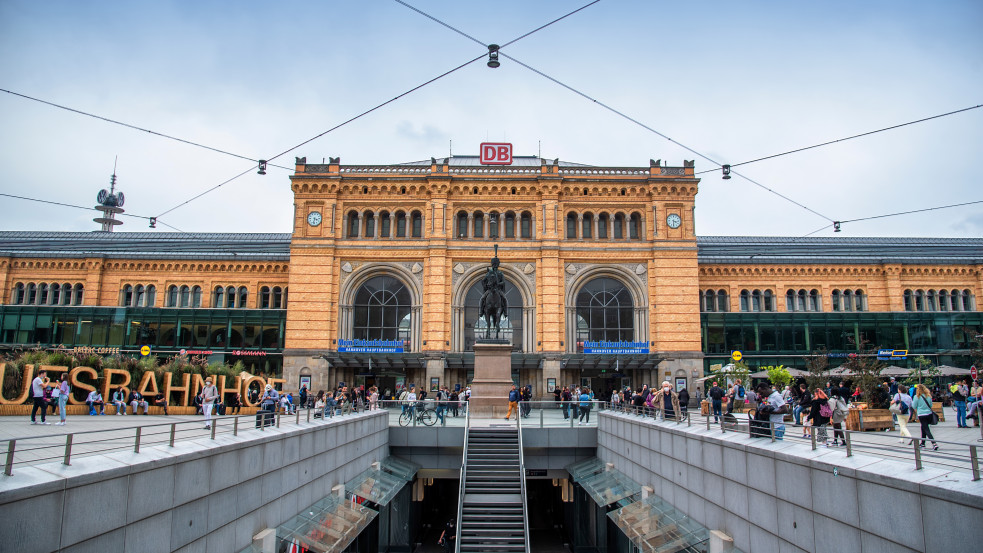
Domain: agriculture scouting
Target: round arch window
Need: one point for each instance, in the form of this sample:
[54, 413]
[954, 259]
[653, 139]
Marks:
[605, 311]
[510, 326]
[382, 310]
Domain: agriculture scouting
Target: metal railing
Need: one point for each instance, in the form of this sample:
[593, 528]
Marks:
[522, 484]
[65, 447]
[464, 476]
[950, 455]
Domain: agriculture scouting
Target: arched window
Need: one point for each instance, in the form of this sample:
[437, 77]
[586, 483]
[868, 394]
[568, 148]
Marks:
[919, 300]
[139, 296]
[151, 296]
[384, 229]
[619, 226]
[285, 297]
[708, 301]
[587, 228]
[462, 224]
[56, 294]
[769, 298]
[478, 229]
[509, 224]
[369, 219]
[909, 304]
[602, 225]
[20, 293]
[955, 303]
[352, 224]
[243, 297]
[837, 303]
[605, 311]
[172, 296]
[218, 297]
[78, 294]
[511, 323]
[635, 226]
[969, 301]
[943, 300]
[32, 293]
[860, 300]
[931, 301]
[264, 297]
[196, 296]
[571, 225]
[400, 224]
[723, 302]
[800, 304]
[745, 301]
[230, 297]
[277, 302]
[416, 221]
[43, 294]
[126, 297]
[493, 224]
[66, 294]
[382, 310]
[185, 296]
[525, 224]
[815, 301]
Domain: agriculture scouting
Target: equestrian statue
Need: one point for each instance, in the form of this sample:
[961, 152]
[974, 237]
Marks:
[493, 304]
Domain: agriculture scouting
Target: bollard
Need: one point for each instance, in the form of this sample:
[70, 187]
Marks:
[136, 444]
[708, 423]
[541, 417]
[771, 428]
[975, 460]
[812, 438]
[308, 414]
[214, 427]
[722, 429]
[173, 432]
[235, 426]
[9, 466]
[849, 443]
[68, 450]
[278, 420]
[918, 454]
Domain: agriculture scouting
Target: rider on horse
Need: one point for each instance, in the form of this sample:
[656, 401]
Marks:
[493, 304]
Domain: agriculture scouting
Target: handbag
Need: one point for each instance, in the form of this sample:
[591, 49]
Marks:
[935, 419]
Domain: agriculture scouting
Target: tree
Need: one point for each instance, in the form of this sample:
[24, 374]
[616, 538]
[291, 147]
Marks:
[731, 372]
[779, 376]
[818, 366]
[866, 371]
[925, 372]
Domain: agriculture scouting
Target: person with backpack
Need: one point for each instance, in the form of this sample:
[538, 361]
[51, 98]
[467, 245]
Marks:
[716, 395]
[840, 412]
[901, 408]
[820, 413]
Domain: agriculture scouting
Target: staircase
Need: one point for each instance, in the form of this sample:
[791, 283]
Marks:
[492, 510]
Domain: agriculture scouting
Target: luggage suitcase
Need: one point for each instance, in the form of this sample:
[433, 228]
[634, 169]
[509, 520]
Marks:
[264, 418]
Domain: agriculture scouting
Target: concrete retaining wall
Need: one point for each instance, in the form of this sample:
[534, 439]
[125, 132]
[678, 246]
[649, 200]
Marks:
[200, 495]
[785, 497]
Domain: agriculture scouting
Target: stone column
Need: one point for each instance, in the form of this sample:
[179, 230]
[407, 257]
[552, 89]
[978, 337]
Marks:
[492, 379]
[435, 369]
[551, 369]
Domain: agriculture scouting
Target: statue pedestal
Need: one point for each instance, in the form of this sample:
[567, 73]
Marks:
[492, 379]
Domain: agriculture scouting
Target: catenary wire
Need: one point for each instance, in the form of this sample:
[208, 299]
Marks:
[846, 138]
[134, 127]
[388, 101]
[68, 205]
[910, 212]
[605, 106]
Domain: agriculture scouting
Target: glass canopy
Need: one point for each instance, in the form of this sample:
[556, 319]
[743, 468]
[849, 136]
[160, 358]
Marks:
[604, 485]
[381, 485]
[328, 526]
[655, 526]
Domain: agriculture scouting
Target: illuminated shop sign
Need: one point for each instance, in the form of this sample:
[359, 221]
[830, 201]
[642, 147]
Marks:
[606, 348]
[370, 346]
[496, 153]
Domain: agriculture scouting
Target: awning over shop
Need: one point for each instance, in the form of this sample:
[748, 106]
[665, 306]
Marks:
[655, 526]
[375, 361]
[328, 526]
[380, 485]
[583, 361]
[604, 485]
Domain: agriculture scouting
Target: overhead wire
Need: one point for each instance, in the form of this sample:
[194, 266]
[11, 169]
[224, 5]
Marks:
[610, 108]
[387, 102]
[134, 127]
[797, 150]
[63, 204]
[910, 212]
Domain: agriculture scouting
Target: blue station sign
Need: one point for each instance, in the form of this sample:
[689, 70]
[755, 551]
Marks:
[370, 346]
[616, 348]
[889, 354]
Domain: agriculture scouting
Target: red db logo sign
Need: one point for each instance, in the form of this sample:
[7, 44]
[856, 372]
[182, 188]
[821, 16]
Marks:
[496, 153]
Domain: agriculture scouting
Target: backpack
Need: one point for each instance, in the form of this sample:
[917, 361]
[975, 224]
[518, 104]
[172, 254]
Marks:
[902, 406]
[825, 410]
[740, 392]
[841, 410]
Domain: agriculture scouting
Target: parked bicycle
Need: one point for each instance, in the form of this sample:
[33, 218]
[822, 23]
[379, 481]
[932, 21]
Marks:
[424, 415]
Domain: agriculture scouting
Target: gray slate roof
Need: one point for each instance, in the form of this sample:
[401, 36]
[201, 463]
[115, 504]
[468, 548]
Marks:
[473, 161]
[276, 247]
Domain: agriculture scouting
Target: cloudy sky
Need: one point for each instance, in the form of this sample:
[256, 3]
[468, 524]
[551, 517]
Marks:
[733, 81]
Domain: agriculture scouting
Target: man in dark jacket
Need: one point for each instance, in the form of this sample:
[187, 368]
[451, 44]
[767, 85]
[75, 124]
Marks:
[684, 401]
[716, 395]
[513, 403]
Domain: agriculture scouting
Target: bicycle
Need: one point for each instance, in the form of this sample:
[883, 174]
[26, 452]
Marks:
[424, 415]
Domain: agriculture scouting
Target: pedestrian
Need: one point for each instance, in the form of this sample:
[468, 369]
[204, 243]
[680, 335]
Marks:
[820, 414]
[922, 405]
[442, 397]
[525, 396]
[513, 403]
[449, 536]
[802, 400]
[901, 408]
[37, 389]
[456, 400]
[668, 401]
[716, 395]
[161, 401]
[235, 405]
[208, 396]
[119, 401]
[136, 400]
[63, 390]
[684, 401]
[565, 397]
[585, 404]
[840, 412]
[960, 392]
[373, 398]
[270, 399]
[303, 396]
[778, 408]
[574, 401]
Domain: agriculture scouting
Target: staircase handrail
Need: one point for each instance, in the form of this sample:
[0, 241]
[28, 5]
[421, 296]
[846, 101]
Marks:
[522, 484]
[464, 474]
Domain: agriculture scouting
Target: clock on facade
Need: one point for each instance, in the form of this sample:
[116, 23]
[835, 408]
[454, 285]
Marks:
[673, 220]
[314, 218]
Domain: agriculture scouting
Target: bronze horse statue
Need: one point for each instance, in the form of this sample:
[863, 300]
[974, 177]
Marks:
[493, 305]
